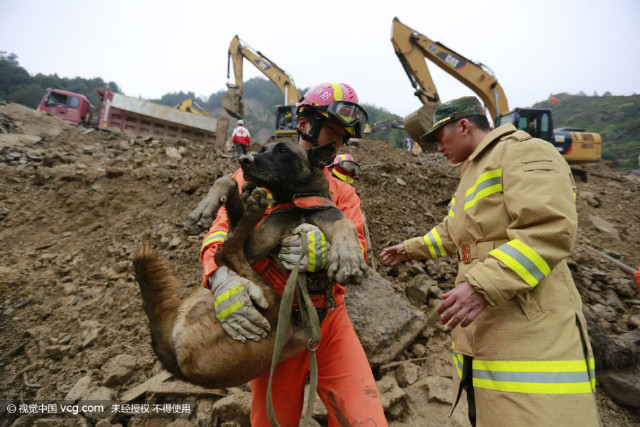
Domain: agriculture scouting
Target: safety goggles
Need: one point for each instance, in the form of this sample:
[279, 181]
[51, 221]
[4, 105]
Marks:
[349, 114]
[350, 167]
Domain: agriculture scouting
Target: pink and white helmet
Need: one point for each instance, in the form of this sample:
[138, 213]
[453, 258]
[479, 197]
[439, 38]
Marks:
[344, 167]
[339, 103]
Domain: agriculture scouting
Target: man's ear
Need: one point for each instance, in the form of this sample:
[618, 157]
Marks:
[321, 156]
[465, 125]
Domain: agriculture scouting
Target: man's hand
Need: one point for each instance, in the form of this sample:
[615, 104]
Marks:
[234, 298]
[394, 254]
[291, 248]
[461, 304]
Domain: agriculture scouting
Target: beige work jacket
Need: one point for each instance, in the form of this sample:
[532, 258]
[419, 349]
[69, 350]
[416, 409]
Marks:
[512, 222]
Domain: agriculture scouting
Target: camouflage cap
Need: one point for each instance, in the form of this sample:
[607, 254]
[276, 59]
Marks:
[453, 110]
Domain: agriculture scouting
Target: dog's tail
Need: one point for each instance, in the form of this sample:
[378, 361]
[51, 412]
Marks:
[160, 295]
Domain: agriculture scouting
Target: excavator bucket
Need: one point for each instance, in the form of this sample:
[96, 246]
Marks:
[232, 103]
[420, 122]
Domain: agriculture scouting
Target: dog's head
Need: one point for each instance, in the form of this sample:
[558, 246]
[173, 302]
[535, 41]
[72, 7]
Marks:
[287, 168]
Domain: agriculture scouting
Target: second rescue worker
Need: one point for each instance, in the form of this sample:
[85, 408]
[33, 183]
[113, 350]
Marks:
[520, 344]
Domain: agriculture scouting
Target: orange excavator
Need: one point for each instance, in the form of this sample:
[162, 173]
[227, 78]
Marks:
[413, 49]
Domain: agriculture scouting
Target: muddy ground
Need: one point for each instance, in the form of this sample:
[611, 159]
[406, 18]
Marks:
[75, 204]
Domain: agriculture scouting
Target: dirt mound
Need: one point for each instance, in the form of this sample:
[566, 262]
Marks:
[75, 204]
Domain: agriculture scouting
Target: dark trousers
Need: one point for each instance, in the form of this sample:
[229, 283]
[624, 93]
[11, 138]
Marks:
[467, 384]
[241, 149]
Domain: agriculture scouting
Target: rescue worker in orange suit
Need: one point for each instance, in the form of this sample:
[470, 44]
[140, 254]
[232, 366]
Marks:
[241, 138]
[328, 112]
[520, 345]
[345, 168]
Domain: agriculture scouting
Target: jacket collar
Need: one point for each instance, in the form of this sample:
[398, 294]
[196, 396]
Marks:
[489, 138]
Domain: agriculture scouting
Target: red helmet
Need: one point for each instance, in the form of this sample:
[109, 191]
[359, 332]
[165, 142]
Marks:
[344, 167]
[339, 103]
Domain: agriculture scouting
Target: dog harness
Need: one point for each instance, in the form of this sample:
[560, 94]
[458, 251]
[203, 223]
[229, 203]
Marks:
[305, 201]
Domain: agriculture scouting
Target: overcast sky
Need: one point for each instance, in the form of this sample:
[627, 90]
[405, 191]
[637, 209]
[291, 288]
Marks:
[149, 48]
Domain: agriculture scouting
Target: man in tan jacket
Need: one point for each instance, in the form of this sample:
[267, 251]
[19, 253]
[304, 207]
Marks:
[520, 345]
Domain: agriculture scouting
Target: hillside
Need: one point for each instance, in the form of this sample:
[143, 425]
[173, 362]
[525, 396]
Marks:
[76, 203]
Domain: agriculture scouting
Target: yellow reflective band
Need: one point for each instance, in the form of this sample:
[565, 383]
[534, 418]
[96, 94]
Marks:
[218, 236]
[441, 120]
[270, 200]
[317, 244]
[223, 297]
[574, 196]
[337, 91]
[458, 360]
[592, 372]
[434, 243]
[343, 177]
[534, 388]
[227, 311]
[488, 183]
[523, 260]
[536, 377]
[452, 208]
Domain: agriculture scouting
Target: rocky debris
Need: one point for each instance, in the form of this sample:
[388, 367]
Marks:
[75, 205]
[385, 322]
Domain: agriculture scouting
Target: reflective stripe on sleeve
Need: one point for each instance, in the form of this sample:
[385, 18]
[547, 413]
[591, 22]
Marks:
[317, 251]
[523, 260]
[452, 208]
[535, 377]
[487, 183]
[434, 242]
[218, 236]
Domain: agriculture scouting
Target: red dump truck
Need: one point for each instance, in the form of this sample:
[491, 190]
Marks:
[69, 106]
[139, 117]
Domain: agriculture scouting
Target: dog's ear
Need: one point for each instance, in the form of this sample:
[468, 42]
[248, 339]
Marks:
[321, 156]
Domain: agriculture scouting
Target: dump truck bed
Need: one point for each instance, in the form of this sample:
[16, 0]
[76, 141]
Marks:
[139, 117]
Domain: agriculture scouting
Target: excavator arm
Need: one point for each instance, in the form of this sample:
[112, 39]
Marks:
[413, 49]
[191, 106]
[238, 51]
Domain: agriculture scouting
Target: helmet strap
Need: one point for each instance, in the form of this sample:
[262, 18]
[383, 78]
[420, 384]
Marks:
[314, 133]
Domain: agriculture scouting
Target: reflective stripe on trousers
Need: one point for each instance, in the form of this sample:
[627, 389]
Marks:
[533, 377]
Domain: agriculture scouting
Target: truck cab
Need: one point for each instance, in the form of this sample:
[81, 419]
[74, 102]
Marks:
[69, 106]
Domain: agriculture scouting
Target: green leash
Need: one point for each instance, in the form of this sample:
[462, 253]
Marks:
[297, 283]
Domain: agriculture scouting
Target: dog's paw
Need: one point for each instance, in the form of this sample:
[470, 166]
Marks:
[256, 203]
[346, 264]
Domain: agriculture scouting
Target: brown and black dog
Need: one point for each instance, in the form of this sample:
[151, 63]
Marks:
[186, 335]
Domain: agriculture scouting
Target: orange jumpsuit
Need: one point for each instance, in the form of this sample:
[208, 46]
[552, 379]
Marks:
[345, 382]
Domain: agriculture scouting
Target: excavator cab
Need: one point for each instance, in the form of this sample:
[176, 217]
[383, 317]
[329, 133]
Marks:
[537, 122]
[286, 123]
[575, 144]
[286, 118]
